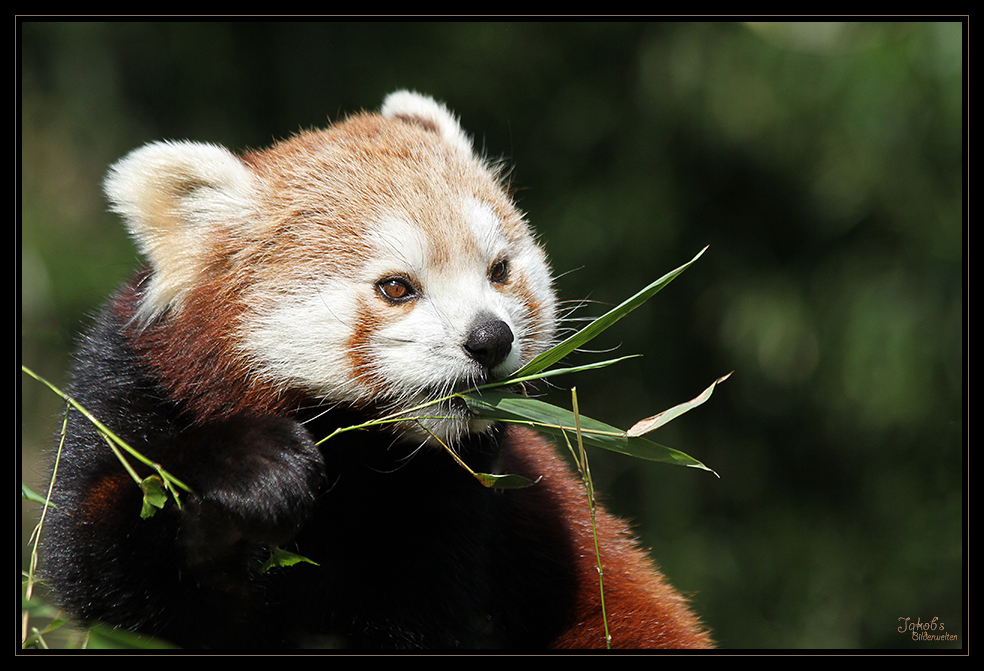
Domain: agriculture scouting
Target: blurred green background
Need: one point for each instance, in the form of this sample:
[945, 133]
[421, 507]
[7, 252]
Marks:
[822, 163]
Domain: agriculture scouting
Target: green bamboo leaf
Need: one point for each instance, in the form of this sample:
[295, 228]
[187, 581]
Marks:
[505, 481]
[280, 558]
[551, 419]
[29, 494]
[652, 423]
[154, 496]
[103, 637]
[515, 379]
[558, 352]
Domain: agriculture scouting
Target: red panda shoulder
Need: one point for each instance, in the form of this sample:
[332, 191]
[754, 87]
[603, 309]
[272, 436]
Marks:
[643, 609]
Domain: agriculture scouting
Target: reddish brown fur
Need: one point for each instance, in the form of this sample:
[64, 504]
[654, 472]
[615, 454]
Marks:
[99, 506]
[367, 321]
[643, 610]
[196, 359]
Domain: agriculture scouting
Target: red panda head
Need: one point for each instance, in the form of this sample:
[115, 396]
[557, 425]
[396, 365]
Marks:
[379, 263]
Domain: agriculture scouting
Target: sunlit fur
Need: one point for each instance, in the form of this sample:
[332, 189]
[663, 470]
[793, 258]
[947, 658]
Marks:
[310, 226]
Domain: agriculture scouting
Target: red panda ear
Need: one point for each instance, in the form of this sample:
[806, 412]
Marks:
[175, 198]
[426, 112]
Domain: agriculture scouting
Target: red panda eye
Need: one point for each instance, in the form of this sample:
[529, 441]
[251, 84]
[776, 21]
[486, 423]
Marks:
[395, 290]
[499, 272]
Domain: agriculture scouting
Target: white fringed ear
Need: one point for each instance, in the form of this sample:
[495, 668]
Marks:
[427, 112]
[174, 197]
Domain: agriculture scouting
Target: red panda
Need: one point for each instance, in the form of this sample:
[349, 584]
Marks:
[336, 277]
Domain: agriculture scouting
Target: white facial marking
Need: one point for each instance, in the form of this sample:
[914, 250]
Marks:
[486, 228]
[316, 338]
[430, 262]
[302, 340]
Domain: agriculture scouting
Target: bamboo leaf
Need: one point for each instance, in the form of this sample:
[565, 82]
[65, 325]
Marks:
[280, 558]
[644, 426]
[29, 494]
[154, 495]
[551, 419]
[515, 379]
[558, 352]
[505, 481]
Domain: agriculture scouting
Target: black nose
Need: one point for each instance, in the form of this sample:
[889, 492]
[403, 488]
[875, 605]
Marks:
[489, 342]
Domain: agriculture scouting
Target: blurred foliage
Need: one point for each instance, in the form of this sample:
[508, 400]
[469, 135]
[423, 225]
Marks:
[822, 163]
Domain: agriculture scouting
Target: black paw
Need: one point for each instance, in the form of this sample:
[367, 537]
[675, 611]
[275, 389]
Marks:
[255, 477]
